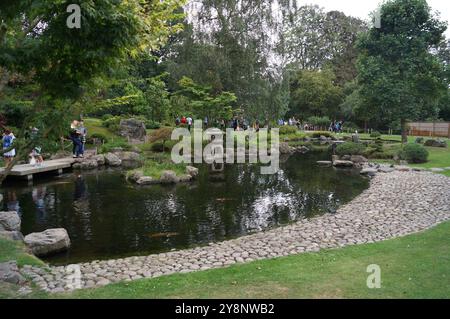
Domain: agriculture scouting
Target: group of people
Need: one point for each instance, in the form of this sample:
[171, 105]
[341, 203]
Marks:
[35, 156]
[336, 126]
[77, 135]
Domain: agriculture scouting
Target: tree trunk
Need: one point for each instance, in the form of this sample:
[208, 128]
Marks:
[404, 131]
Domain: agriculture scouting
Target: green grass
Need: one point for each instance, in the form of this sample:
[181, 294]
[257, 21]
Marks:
[94, 126]
[15, 250]
[416, 266]
[159, 162]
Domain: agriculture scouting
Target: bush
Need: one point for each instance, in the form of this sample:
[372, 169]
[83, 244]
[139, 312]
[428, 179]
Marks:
[319, 134]
[350, 148]
[287, 130]
[115, 144]
[375, 134]
[414, 153]
[99, 136]
[107, 117]
[152, 125]
[112, 123]
[319, 121]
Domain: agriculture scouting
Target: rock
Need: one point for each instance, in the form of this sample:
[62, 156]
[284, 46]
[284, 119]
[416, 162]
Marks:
[9, 272]
[323, 138]
[100, 159]
[48, 242]
[89, 164]
[386, 169]
[419, 140]
[369, 171]
[302, 149]
[129, 159]
[402, 168]
[437, 170]
[192, 171]
[112, 160]
[185, 178]
[346, 158]
[343, 163]
[169, 177]
[358, 159]
[9, 221]
[116, 150]
[146, 180]
[436, 143]
[133, 129]
[286, 149]
[11, 235]
[334, 158]
[325, 163]
[135, 176]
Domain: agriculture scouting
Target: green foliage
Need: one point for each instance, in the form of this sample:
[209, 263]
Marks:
[319, 134]
[320, 121]
[97, 136]
[350, 148]
[112, 123]
[375, 134]
[400, 79]
[286, 130]
[116, 143]
[314, 93]
[414, 153]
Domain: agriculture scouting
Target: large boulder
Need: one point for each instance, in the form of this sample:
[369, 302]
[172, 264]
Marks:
[436, 143]
[9, 221]
[169, 177]
[87, 164]
[100, 159]
[133, 129]
[358, 159]
[9, 272]
[112, 160]
[48, 242]
[192, 171]
[286, 149]
[134, 176]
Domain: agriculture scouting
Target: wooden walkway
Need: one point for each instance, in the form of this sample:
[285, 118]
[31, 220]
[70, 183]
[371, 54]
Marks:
[27, 171]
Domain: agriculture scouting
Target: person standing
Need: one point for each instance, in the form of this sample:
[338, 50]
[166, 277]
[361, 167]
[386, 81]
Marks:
[8, 141]
[189, 122]
[74, 136]
[83, 136]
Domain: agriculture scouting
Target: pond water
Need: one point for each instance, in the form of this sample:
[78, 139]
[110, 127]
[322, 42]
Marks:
[109, 218]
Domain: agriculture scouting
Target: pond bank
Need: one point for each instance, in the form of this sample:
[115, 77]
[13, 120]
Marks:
[390, 208]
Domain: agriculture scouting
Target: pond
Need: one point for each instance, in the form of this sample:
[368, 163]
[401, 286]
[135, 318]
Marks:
[109, 218]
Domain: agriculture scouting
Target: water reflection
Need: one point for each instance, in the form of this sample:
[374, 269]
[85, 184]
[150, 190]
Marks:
[106, 217]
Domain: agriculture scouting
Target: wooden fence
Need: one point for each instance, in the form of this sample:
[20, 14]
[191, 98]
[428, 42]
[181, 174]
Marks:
[431, 129]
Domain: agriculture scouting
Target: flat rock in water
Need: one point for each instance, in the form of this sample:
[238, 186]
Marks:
[325, 163]
[9, 221]
[48, 242]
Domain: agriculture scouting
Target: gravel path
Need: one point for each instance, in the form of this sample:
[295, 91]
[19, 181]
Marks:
[396, 204]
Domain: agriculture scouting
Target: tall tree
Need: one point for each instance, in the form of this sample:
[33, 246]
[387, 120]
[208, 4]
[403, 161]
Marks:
[399, 75]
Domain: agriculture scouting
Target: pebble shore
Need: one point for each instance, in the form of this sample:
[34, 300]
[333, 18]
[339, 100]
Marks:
[396, 204]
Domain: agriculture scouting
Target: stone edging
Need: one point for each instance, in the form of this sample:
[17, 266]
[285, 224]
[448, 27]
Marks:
[396, 204]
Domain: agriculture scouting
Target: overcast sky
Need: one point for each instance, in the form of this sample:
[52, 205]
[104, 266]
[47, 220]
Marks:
[362, 8]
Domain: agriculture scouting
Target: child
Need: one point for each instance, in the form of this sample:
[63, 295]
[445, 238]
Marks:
[36, 157]
[7, 141]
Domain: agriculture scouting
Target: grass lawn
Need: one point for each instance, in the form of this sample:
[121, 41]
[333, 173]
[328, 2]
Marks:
[13, 250]
[416, 266]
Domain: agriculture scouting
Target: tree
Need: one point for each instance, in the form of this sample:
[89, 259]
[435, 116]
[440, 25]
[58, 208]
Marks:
[400, 78]
[314, 93]
[60, 64]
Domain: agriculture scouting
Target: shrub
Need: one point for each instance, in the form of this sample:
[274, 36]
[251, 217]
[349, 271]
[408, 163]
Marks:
[112, 123]
[99, 136]
[375, 134]
[350, 148]
[319, 134]
[115, 144]
[319, 121]
[107, 117]
[287, 130]
[414, 153]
